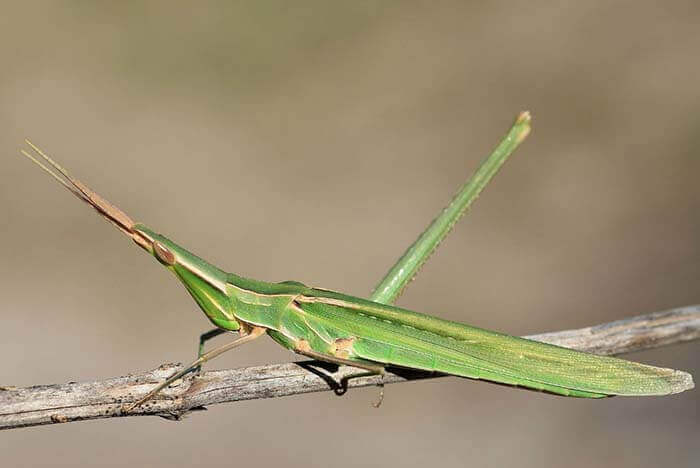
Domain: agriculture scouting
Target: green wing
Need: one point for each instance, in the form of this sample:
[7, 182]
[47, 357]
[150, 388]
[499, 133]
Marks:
[403, 338]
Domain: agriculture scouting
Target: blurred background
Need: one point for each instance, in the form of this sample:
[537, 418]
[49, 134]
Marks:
[313, 141]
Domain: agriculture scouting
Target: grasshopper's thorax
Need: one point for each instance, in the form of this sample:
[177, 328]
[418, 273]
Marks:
[261, 303]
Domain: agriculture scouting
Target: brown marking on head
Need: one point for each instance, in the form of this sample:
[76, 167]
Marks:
[106, 209]
[163, 254]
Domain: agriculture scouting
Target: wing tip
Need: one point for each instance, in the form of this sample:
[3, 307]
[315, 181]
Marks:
[680, 381]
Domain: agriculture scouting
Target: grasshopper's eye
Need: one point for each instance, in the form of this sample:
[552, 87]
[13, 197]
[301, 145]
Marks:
[165, 256]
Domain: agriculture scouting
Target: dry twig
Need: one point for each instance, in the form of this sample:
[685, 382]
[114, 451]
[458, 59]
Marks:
[50, 404]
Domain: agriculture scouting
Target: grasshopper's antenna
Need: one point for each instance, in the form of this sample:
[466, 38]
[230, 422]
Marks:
[51, 172]
[106, 209]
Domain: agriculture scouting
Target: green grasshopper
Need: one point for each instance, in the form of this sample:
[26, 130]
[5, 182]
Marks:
[372, 334]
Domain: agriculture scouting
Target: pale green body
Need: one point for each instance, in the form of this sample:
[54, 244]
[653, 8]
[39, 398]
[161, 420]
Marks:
[372, 334]
[378, 333]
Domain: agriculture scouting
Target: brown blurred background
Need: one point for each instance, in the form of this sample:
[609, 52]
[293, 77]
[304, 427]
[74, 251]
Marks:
[313, 141]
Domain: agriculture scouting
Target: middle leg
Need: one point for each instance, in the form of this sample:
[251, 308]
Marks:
[370, 368]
